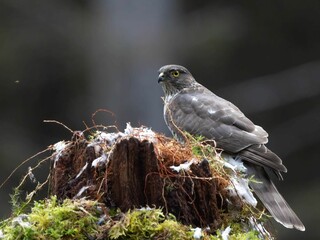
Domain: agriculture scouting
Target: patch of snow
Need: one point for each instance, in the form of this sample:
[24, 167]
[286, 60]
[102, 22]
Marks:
[81, 191]
[141, 133]
[31, 175]
[145, 208]
[263, 233]
[20, 220]
[129, 129]
[240, 187]
[239, 183]
[235, 164]
[225, 233]
[82, 169]
[103, 137]
[97, 149]
[183, 166]
[197, 233]
[99, 161]
[58, 148]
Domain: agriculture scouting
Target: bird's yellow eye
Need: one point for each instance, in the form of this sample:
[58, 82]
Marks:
[175, 73]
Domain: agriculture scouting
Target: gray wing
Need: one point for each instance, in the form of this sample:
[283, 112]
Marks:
[201, 112]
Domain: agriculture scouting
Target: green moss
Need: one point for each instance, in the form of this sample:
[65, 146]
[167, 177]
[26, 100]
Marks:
[77, 219]
[18, 206]
[204, 149]
[50, 220]
[149, 224]
[237, 233]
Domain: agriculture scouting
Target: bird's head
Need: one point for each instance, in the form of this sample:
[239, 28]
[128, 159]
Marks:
[174, 78]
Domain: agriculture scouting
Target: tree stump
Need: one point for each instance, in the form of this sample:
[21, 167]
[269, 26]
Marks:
[137, 174]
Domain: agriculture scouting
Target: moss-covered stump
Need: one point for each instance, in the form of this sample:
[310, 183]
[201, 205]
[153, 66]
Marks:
[138, 184]
[135, 172]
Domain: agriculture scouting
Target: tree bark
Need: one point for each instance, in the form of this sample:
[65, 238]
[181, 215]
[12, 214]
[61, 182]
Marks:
[136, 176]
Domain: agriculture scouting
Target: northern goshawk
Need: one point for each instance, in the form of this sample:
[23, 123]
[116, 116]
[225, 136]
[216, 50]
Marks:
[190, 107]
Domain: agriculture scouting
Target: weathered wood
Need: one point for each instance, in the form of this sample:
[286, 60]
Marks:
[135, 177]
[132, 175]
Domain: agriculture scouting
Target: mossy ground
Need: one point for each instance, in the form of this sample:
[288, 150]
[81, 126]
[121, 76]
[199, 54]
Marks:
[86, 219]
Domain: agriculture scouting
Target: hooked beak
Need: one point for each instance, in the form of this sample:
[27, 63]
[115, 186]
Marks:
[161, 77]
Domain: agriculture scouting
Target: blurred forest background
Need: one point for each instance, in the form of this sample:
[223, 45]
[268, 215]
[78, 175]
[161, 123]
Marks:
[64, 60]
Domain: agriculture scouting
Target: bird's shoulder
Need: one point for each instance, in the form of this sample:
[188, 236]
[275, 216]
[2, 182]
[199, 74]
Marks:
[202, 98]
[205, 104]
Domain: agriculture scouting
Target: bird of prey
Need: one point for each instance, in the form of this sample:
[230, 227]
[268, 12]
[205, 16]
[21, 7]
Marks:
[190, 107]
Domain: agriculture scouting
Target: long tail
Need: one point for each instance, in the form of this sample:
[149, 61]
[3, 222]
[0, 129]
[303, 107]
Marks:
[272, 199]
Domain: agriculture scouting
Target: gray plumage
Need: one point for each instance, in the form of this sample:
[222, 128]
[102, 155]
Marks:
[190, 107]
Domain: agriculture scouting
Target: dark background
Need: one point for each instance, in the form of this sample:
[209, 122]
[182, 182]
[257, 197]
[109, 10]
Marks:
[63, 60]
